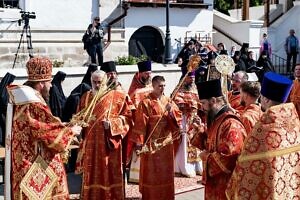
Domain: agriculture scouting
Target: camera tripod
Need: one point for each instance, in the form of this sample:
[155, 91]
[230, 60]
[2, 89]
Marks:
[27, 31]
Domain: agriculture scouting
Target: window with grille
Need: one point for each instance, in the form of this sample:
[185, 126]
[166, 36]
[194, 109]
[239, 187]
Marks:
[9, 3]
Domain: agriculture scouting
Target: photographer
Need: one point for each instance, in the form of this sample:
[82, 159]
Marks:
[92, 40]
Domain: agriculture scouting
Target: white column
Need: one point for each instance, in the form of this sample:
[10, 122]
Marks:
[24, 5]
[95, 8]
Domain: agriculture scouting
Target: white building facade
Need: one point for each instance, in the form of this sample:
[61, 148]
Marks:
[59, 25]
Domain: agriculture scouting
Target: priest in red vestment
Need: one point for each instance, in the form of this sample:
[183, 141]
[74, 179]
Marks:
[234, 96]
[39, 140]
[250, 92]
[268, 167]
[97, 80]
[157, 158]
[295, 92]
[102, 146]
[221, 143]
[140, 87]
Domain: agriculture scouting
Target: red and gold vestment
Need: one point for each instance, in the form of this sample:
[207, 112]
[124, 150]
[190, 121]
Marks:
[36, 132]
[250, 116]
[157, 168]
[235, 101]
[102, 161]
[224, 143]
[295, 95]
[269, 165]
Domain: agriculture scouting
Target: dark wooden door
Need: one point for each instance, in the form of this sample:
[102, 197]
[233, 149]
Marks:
[147, 41]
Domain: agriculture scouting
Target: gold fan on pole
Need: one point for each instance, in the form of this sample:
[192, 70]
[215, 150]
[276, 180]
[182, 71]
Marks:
[225, 65]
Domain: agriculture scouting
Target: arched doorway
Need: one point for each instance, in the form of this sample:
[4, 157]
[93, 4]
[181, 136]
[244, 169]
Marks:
[147, 41]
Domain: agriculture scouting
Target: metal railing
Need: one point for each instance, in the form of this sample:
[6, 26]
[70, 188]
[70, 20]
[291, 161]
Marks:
[201, 36]
[107, 42]
[280, 65]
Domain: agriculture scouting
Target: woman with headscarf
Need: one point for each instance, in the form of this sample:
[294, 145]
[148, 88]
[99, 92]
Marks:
[265, 64]
[7, 79]
[57, 97]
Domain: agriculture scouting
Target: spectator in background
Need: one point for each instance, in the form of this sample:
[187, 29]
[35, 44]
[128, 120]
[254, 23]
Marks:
[265, 45]
[220, 47]
[239, 63]
[264, 64]
[232, 51]
[93, 41]
[292, 49]
[244, 52]
[179, 62]
[187, 53]
[251, 61]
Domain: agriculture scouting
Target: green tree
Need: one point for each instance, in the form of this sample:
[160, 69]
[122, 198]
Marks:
[224, 5]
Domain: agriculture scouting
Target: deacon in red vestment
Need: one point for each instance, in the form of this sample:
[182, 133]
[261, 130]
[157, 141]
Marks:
[250, 92]
[295, 92]
[38, 135]
[157, 159]
[221, 143]
[234, 96]
[268, 167]
[102, 147]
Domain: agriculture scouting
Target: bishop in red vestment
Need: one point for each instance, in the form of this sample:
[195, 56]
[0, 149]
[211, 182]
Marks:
[39, 140]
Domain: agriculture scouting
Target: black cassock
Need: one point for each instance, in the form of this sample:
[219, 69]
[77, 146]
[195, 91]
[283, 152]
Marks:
[7, 79]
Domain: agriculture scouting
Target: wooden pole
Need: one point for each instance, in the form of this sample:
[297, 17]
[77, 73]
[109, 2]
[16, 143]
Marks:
[245, 14]
[267, 13]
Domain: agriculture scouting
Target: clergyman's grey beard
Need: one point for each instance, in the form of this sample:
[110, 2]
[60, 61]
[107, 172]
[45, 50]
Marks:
[188, 86]
[146, 81]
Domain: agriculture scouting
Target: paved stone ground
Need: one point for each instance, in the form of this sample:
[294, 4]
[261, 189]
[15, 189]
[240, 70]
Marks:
[75, 185]
[191, 195]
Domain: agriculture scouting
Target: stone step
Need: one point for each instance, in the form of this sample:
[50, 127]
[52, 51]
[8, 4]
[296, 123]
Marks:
[60, 45]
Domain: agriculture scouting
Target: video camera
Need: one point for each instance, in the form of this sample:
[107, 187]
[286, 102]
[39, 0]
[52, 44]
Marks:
[27, 15]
